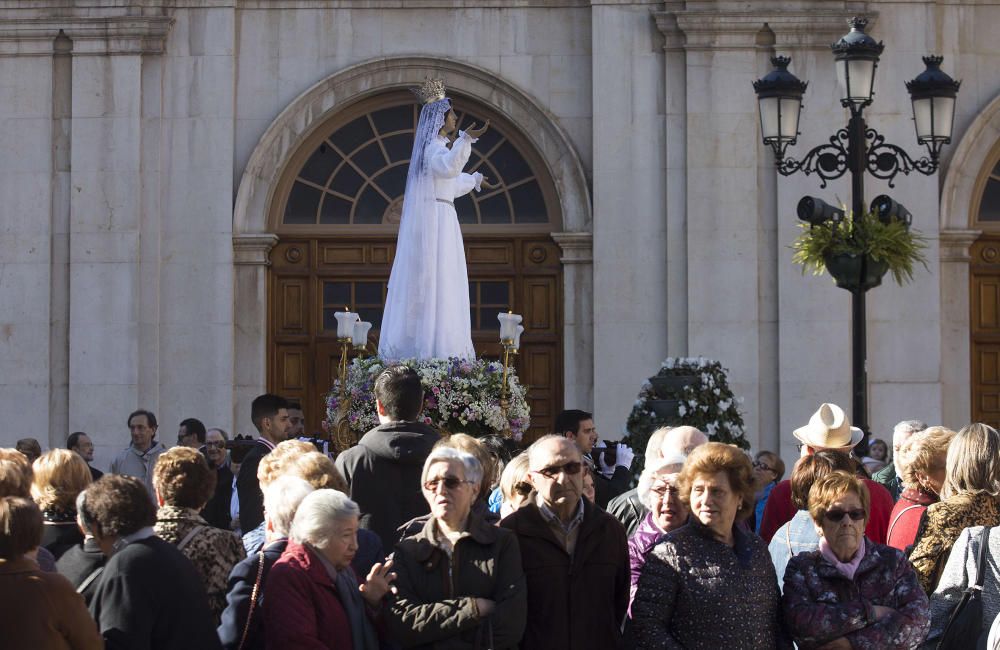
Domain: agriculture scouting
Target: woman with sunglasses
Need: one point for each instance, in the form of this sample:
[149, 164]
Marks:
[514, 485]
[710, 584]
[460, 582]
[851, 592]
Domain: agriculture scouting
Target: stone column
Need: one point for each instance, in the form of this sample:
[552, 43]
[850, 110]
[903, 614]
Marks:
[250, 259]
[578, 317]
[956, 390]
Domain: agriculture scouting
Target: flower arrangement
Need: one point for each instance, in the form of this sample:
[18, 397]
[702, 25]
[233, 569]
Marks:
[459, 396]
[702, 399]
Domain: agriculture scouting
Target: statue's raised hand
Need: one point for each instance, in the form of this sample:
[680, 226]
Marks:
[473, 132]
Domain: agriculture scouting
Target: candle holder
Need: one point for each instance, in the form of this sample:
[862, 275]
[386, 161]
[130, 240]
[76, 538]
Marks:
[510, 339]
[360, 337]
[347, 322]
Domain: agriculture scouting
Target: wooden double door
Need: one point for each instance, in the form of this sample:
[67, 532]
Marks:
[312, 278]
[984, 271]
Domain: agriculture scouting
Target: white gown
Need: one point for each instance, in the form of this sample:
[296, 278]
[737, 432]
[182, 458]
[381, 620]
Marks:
[433, 322]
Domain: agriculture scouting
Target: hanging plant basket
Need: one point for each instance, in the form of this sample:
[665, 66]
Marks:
[666, 409]
[668, 386]
[855, 272]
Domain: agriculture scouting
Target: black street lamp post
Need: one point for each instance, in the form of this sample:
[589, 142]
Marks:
[856, 149]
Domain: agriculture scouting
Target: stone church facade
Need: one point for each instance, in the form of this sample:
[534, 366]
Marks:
[191, 187]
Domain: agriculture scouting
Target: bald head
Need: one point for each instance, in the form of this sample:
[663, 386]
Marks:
[545, 449]
[682, 440]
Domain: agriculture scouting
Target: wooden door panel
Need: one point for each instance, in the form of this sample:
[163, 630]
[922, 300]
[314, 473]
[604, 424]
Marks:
[985, 329]
[313, 278]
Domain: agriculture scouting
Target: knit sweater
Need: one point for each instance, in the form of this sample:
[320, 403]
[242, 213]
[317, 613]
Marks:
[696, 592]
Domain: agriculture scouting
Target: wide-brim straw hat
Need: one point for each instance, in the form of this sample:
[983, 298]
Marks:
[829, 428]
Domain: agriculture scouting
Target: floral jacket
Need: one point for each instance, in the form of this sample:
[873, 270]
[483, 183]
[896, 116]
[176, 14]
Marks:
[821, 604]
[213, 551]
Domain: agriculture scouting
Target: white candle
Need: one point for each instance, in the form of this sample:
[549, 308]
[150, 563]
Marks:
[361, 333]
[508, 326]
[345, 324]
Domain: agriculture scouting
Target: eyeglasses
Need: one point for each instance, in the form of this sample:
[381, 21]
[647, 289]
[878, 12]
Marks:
[665, 490]
[450, 482]
[836, 515]
[570, 469]
[760, 465]
[217, 444]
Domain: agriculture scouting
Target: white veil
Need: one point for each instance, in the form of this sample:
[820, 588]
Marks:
[405, 322]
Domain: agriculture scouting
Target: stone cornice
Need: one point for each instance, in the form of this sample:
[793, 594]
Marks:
[577, 247]
[714, 29]
[955, 244]
[253, 250]
[90, 36]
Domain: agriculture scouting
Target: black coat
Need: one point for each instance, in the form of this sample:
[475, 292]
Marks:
[241, 583]
[606, 489]
[150, 597]
[575, 602]
[383, 470]
[79, 562]
[216, 511]
[627, 509]
[61, 537]
[248, 488]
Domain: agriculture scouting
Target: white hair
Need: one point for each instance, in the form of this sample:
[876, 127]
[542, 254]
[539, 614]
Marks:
[470, 465]
[317, 517]
[281, 499]
[672, 464]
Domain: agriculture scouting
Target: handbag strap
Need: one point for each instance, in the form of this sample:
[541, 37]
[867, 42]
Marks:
[788, 539]
[191, 535]
[984, 541]
[253, 599]
[896, 519]
[89, 579]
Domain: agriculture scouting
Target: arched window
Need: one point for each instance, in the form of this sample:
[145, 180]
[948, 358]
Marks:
[354, 172]
[988, 211]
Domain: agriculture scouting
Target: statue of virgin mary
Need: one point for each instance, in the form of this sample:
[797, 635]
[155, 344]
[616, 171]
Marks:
[427, 306]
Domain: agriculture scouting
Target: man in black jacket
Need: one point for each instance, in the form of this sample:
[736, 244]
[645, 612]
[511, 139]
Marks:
[579, 427]
[384, 468]
[269, 414]
[149, 595]
[217, 511]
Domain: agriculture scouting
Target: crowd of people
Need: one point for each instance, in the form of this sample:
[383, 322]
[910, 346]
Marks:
[411, 539]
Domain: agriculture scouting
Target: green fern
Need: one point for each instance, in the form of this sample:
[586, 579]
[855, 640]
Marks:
[892, 243]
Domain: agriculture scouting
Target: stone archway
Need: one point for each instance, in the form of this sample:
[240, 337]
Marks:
[252, 240]
[956, 237]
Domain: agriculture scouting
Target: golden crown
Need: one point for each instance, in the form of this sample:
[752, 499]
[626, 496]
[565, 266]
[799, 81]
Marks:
[431, 91]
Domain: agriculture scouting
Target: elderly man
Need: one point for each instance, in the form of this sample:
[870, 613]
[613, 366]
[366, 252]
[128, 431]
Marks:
[575, 556]
[663, 443]
[217, 510]
[81, 443]
[139, 458]
[828, 429]
[890, 477]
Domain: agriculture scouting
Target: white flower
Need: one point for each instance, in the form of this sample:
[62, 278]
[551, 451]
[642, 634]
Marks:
[669, 363]
[724, 405]
[693, 403]
[681, 411]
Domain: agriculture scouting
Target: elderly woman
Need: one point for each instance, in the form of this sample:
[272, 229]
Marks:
[59, 476]
[659, 493]
[37, 609]
[312, 598]
[922, 460]
[184, 483]
[242, 624]
[968, 498]
[460, 582]
[799, 534]
[15, 481]
[768, 470]
[851, 592]
[514, 485]
[710, 584]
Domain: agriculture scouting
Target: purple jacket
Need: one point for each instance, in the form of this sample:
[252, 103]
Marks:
[645, 537]
[820, 604]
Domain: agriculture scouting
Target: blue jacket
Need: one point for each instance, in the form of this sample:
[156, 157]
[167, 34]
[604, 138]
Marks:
[241, 583]
[796, 536]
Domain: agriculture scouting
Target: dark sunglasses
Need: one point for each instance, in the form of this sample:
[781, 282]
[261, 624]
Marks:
[220, 444]
[450, 482]
[571, 468]
[522, 488]
[837, 515]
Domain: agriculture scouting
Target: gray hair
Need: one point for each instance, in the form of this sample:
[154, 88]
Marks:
[282, 498]
[222, 432]
[973, 463]
[81, 519]
[909, 427]
[655, 443]
[669, 465]
[318, 515]
[470, 464]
